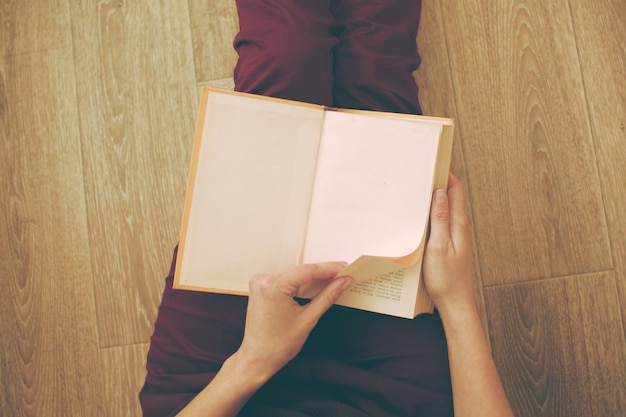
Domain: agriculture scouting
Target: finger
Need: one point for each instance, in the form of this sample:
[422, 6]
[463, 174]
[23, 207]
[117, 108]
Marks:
[456, 194]
[327, 297]
[459, 221]
[439, 218]
[300, 275]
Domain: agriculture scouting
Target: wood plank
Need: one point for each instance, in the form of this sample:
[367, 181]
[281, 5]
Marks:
[49, 358]
[222, 83]
[436, 94]
[28, 26]
[214, 25]
[559, 346]
[137, 102]
[600, 33]
[535, 190]
[124, 374]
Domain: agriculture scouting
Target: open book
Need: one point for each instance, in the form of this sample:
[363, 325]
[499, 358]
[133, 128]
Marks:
[275, 183]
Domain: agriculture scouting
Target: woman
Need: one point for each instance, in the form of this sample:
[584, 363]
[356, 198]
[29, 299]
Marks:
[268, 355]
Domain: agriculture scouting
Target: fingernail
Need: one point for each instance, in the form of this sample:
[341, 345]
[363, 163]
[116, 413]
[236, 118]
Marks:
[440, 196]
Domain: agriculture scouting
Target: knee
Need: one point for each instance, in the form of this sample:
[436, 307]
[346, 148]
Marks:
[290, 61]
[287, 49]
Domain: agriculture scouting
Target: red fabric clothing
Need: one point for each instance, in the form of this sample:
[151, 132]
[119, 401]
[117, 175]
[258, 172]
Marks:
[354, 363]
[357, 54]
[354, 54]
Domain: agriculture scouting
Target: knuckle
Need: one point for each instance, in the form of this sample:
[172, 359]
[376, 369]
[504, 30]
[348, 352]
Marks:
[465, 223]
[259, 281]
[440, 247]
[442, 216]
[311, 268]
[331, 298]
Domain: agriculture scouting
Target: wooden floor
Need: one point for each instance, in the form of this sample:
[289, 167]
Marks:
[97, 110]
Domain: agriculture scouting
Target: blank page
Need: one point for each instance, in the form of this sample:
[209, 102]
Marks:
[373, 187]
[252, 190]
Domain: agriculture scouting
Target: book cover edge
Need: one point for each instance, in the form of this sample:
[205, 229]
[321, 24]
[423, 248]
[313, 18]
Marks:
[191, 180]
[440, 180]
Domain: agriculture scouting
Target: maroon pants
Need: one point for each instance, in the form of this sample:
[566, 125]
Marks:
[356, 54]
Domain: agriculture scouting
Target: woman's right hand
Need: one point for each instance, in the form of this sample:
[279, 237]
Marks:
[276, 325]
[448, 254]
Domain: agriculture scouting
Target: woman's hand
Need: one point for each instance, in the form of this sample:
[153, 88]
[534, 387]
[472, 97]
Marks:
[476, 386]
[448, 255]
[276, 325]
[276, 329]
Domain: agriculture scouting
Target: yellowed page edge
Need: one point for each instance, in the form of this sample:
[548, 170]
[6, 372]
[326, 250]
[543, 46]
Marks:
[260, 97]
[442, 120]
[423, 302]
[197, 161]
[444, 158]
[200, 122]
[211, 290]
[191, 180]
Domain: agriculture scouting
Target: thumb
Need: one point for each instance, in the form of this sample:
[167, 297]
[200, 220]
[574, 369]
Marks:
[327, 297]
[440, 217]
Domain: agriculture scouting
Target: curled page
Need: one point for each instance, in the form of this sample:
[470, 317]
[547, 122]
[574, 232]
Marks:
[372, 188]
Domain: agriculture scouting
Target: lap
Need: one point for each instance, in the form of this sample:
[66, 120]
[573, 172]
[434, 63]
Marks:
[196, 332]
[411, 351]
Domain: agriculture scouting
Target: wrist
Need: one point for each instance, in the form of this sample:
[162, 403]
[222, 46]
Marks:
[458, 314]
[258, 368]
[237, 380]
[239, 366]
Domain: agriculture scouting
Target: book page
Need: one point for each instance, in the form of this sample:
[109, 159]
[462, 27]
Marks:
[392, 293]
[251, 191]
[372, 188]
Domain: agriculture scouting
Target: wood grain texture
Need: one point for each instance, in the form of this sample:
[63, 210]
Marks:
[214, 25]
[558, 345]
[137, 100]
[222, 83]
[538, 91]
[49, 358]
[436, 94]
[28, 26]
[531, 164]
[124, 370]
[601, 38]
